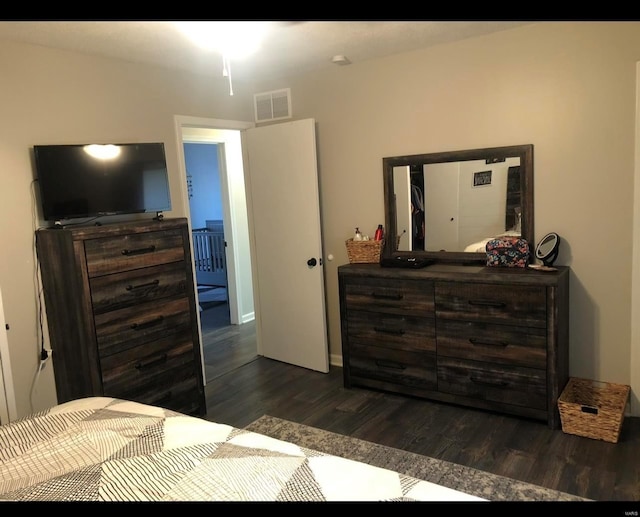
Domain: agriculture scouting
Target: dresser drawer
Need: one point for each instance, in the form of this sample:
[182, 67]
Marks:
[131, 251]
[526, 387]
[153, 366]
[119, 290]
[520, 305]
[504, 344]
[181, 396]
[129, 327]
[413, 297]
[392, 330]
[176, 390]
[413, 369]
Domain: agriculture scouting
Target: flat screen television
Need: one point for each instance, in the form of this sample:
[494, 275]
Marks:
[94, 180]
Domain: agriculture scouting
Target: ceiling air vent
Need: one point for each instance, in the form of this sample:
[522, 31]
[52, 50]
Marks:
[273, 105]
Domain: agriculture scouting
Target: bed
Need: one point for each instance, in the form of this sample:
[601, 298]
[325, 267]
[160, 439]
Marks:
[109, 449]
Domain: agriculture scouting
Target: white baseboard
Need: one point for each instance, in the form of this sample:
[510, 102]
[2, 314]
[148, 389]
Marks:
[335, 360]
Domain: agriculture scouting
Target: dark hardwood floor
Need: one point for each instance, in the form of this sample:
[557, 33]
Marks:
[508, 446]
[225, 346]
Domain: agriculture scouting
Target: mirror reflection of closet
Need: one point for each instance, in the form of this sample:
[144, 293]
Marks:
[447, 205]
[457, 207]
[409, 193]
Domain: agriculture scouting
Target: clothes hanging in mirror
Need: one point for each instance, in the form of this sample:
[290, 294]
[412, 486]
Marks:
[417, 218]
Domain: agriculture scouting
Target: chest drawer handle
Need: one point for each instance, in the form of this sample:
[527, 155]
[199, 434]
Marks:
[159, 360]
[139, 251]
[147, 324]
[488, 303]
[497, 384]
[143, 286]
[387, 296]
[390, 364]
[477, 342]
[396, 332]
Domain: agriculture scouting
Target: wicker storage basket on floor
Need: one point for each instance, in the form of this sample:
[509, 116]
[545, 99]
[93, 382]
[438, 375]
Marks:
[593, 409]
[364, 252]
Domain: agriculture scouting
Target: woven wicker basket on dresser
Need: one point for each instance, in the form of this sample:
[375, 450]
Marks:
[364, 252]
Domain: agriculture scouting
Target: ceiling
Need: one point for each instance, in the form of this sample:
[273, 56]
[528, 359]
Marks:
[291, 47]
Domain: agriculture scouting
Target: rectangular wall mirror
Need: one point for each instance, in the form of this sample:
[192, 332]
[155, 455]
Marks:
[447, 206]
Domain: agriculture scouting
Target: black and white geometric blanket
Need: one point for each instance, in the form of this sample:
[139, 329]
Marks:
[106, 449]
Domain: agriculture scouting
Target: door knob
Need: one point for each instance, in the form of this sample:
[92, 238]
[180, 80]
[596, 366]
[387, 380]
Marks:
[312, 262]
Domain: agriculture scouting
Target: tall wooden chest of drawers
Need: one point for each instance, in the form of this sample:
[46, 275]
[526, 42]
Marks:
[121, 312]
[485, 337]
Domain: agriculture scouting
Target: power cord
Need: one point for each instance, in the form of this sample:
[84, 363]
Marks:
[44, 353]
[44, 357]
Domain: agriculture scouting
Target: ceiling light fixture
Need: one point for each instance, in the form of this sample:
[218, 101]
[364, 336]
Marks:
[233, 40]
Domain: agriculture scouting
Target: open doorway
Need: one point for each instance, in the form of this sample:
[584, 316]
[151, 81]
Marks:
[214, 176]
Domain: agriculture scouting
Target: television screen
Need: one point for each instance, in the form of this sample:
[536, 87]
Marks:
[101, 179]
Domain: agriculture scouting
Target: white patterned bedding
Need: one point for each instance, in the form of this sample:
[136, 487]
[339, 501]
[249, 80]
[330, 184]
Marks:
[106, 449]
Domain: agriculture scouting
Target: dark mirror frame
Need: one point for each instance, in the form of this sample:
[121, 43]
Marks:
[525, 152]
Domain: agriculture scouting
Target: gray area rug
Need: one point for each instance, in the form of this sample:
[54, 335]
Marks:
[472, 481]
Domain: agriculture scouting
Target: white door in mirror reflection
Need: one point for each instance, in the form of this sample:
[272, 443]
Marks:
[427, 199]
[442, 183]
[458, 213]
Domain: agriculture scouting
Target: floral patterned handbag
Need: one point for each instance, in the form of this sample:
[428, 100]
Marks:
[507, 252]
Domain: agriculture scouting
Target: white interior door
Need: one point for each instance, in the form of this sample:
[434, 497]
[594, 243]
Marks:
[282, 186]
[7, 396]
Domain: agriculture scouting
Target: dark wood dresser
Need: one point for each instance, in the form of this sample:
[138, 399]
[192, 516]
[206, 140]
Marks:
[485, 337]
[121, 312]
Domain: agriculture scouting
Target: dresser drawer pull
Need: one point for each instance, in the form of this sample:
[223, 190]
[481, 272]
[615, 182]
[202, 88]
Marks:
[389, 364]
[143, 286]
[147, 324]
[162, 359]
[139, 251]
[488, 303]
[498, 384]
[396, 332]
[477, 342]
[397, 296]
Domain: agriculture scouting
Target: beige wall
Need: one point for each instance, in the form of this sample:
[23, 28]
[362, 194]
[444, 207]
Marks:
[566, 88]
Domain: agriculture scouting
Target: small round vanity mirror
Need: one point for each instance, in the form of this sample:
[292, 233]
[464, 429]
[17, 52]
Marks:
[547, 249]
